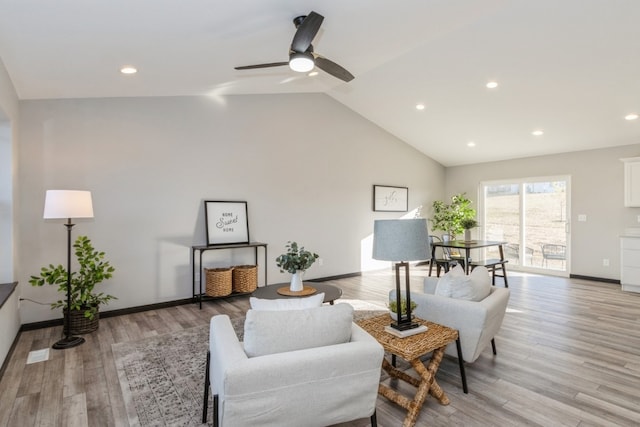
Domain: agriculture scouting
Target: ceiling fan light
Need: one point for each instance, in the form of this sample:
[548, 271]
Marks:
[301, 62]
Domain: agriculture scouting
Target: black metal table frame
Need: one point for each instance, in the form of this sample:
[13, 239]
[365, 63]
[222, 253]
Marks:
[467, 246]
[204, 248]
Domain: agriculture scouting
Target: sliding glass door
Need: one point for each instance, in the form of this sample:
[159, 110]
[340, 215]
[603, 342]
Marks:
[531, 215]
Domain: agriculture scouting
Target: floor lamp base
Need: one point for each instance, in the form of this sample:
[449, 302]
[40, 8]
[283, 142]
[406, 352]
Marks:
[68, 342]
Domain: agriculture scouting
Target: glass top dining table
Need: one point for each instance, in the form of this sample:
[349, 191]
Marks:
[468, 245]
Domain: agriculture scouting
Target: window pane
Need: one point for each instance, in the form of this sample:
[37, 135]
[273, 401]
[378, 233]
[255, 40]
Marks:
[502, 213]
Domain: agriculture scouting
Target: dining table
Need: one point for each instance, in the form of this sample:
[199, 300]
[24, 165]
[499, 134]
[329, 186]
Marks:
[467, 246]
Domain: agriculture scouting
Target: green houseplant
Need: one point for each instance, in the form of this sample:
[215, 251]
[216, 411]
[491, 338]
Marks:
[449, 217]
[296, 261]
[93, 270]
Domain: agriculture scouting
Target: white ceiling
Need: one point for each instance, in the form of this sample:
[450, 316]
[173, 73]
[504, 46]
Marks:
[570, 67]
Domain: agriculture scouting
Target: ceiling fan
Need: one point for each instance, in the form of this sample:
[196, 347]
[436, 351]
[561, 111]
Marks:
[301, 55]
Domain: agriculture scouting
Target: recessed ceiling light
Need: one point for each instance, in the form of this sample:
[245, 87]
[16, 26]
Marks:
[537, 132]
[471, 144]
[312, 74]
[632, 116]
[420, 106]
[492, 85]
[128, 70]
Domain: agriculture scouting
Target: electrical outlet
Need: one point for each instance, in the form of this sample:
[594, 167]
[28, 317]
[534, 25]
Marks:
[582, 218]
[605, 262]
[320, 262]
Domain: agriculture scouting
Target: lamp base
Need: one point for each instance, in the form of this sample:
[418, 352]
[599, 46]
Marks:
[403, 326]
[68, 342]
[408, 333]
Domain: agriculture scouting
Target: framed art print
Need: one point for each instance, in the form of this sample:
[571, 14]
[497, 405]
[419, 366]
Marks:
[226, 222]
[390, 199]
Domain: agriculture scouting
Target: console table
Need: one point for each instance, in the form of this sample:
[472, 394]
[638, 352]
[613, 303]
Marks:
[199, 296]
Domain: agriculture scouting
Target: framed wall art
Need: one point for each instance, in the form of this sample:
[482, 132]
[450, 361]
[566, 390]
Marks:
[390, 199]
[226, 222]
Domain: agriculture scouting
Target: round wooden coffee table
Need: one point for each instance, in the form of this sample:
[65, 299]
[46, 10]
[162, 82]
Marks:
[331, 293]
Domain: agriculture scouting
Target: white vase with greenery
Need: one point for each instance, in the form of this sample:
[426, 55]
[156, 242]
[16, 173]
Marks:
[296, 261]
[468, 224]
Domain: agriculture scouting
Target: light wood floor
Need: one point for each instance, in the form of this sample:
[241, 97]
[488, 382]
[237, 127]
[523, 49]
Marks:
[568, 354]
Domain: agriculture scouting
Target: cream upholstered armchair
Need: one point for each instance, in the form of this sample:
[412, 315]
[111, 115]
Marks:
[466, 303]
[311, 367]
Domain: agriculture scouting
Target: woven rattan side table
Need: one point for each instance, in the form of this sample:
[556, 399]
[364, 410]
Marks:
[435, 340]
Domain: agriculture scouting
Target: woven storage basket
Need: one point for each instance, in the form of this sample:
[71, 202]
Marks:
[80, 324]
[218, 281]
[245, 278]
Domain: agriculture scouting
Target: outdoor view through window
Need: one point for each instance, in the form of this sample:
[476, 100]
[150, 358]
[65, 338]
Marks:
[531, 216]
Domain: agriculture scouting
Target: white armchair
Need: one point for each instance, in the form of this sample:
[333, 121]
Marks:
[476, 322]
[311, 367]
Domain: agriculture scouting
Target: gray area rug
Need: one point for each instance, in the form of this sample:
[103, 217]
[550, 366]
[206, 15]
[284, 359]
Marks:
[162, 377]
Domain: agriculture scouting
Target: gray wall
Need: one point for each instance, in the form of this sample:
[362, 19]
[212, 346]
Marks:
[9, 318]
[304, 163]
[597, 185]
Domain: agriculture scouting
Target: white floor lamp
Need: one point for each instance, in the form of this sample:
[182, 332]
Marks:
[68, 204]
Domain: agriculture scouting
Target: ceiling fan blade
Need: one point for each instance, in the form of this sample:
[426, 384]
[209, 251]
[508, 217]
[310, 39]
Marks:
[271, 64]
[334, 69]
[307, 30]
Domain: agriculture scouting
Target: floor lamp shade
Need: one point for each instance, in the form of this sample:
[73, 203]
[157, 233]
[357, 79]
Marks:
[67, 204]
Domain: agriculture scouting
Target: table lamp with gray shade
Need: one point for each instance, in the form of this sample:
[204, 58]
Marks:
[401, 241]
[68, 204]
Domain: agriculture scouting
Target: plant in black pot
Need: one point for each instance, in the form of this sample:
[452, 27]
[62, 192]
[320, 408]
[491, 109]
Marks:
[85, 303]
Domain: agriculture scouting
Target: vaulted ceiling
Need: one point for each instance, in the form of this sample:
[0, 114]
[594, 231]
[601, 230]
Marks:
[570, 68]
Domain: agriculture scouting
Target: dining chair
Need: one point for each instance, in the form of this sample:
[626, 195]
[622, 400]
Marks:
[441, 257]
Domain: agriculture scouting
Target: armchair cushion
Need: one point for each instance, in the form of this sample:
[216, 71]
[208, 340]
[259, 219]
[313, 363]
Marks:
[474, 287]
[268, 332]
[287, 303]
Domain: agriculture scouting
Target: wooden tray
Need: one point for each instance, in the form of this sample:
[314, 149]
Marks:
[306, 290]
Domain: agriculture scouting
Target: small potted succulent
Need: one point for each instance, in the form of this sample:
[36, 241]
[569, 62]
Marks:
[296, 261]
[393, 307]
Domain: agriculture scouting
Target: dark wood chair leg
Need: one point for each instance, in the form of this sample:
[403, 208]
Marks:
[393, 360]
[463, 374]
[374, 419]
[504, 276]
[205, 402]
[493, 346]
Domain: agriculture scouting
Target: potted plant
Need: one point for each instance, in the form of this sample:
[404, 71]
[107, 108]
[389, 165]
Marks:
[85, 303]
[449, 217]
[393, 307]
[296, 261]
[468, 224]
